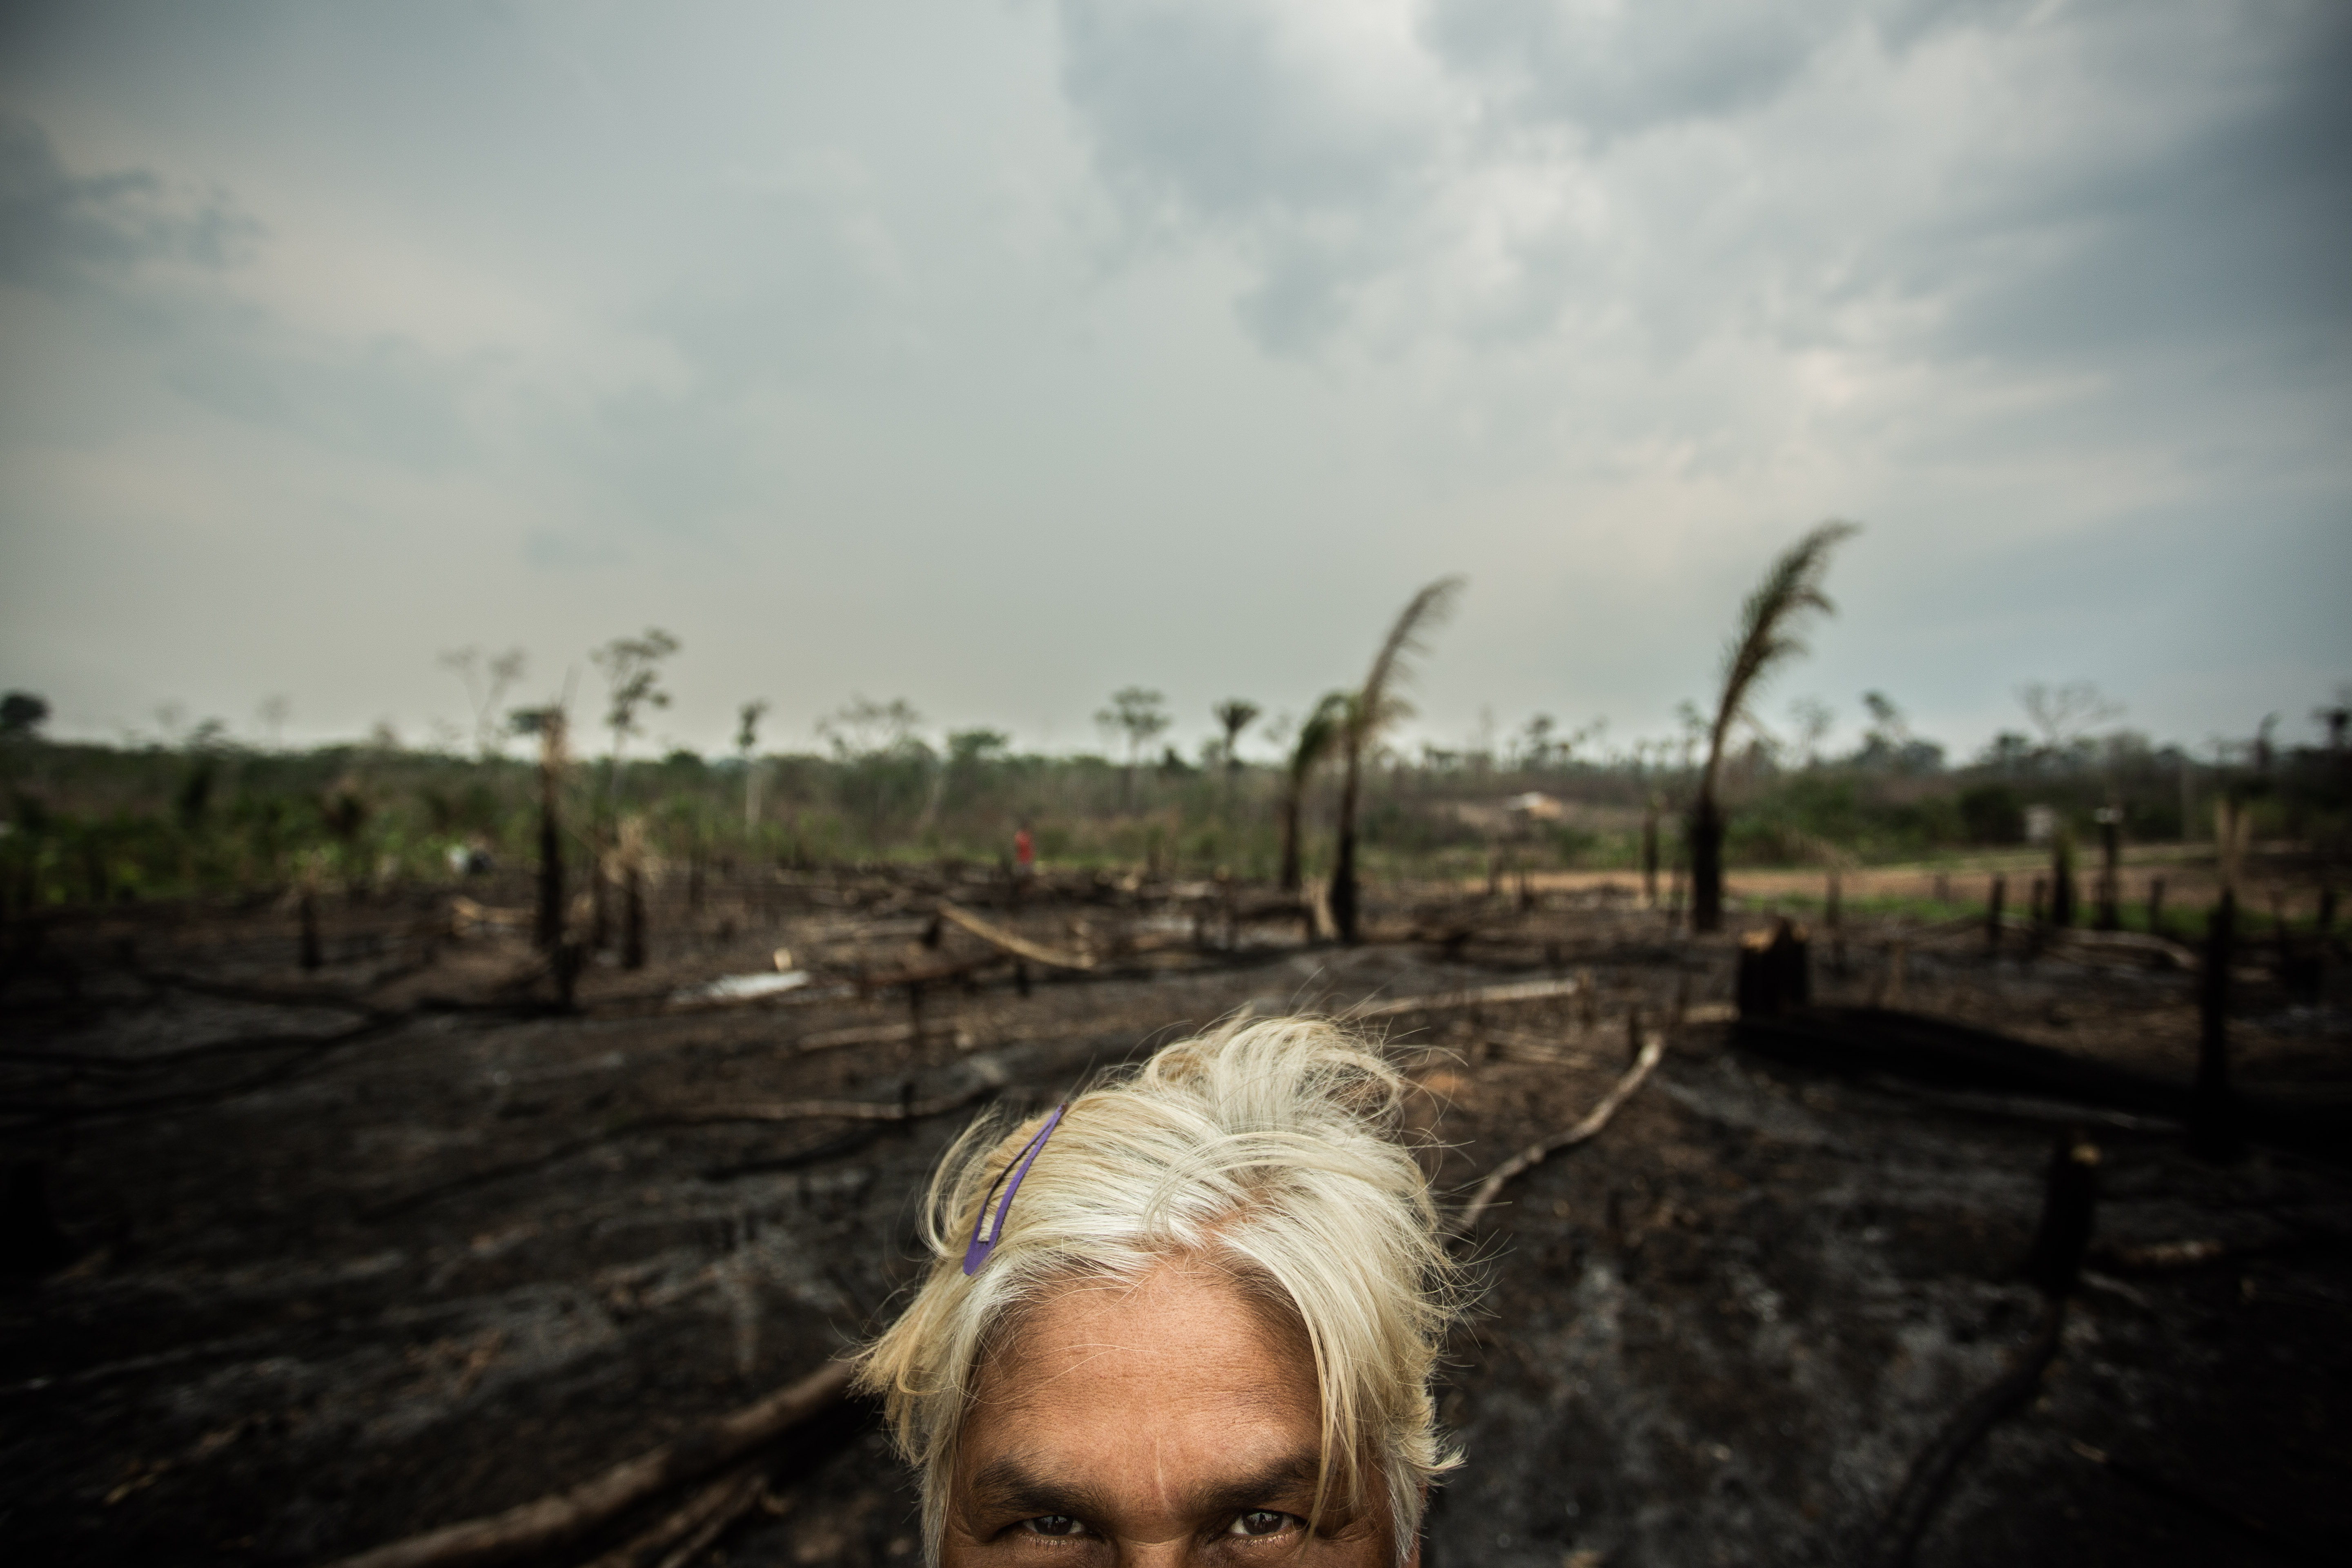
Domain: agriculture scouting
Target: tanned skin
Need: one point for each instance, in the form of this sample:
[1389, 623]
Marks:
[1170, 1424]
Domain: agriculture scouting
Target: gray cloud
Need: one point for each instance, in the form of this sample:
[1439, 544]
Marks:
[159, 270]
[1216, 110]
[1621, 69]
[63, 231]
[1080, 334]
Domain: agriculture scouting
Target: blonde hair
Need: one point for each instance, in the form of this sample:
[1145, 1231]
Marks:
[1271, 1151]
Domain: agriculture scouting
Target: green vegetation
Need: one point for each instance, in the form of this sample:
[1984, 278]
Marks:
[95, 824]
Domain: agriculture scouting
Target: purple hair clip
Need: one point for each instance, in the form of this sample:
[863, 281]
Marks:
[984, 1238]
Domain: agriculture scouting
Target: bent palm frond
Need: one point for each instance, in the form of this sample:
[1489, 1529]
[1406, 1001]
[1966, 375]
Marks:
[1375, 707]
[1768, 624]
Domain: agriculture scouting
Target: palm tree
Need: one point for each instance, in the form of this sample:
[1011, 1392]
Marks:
[747, 744]
[1766, 636]
[1314, 738]
[1234, 714]
[1370, 710]
[1135, 710]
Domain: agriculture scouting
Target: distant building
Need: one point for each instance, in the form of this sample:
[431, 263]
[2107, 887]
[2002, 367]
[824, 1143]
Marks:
[1535, 807]
[2041, 824]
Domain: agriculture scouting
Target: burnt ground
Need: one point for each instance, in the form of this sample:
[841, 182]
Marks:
[352, 1253]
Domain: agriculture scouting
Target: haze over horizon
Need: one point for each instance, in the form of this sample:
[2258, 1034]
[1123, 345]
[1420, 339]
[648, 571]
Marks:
[998, 356]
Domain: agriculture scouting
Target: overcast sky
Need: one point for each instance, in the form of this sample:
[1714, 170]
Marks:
[995, 353]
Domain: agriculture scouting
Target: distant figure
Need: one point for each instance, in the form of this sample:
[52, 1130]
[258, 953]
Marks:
[1024, 854]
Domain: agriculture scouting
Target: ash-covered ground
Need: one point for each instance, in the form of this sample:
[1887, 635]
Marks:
[307, 1261]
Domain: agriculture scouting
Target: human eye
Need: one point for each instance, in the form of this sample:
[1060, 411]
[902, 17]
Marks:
[1263, 1522]
[1056, 1527]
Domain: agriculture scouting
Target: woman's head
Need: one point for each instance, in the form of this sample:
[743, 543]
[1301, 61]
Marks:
[1220, 1287]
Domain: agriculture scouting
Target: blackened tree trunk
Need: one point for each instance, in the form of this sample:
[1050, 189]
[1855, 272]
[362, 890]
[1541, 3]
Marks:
[600, 915]
[548, 931]
[1706, 864]
[1650, 854]
[2062, 878]
[632, 919]
[2111, 877]
[2213, 1112]
[2069, 1205]
[1343, 865]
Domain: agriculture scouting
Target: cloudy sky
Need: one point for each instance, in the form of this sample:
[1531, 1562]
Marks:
[994, 354]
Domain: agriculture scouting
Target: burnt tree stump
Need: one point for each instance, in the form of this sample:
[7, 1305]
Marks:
[1774, 970]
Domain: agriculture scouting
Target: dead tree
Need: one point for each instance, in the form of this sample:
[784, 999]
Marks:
[2062, 877]
[631, 859]
[2111, 880]
[1369, 710]
[548, 723]
[1233, 715]
[1790, 589]
[1314, 743]
[2213, 1129]
[1650, 850]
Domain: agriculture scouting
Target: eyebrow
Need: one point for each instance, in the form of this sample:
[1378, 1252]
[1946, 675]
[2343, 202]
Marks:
[1010, 1485]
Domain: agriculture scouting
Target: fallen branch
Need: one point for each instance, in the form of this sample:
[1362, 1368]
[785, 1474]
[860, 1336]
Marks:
[686, 1532]
[1654, 1049]
[996, 936]
[1906, 1518]
[1450, 1001]
[564, 1516]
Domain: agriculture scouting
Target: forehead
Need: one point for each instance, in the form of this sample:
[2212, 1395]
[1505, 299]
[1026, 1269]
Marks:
[1185, 1355]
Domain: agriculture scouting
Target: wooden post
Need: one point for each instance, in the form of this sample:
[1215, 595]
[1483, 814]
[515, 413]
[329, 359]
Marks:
[1832, 901]
[2156, 906]
[2111, 881]
[1995, 896]
[2039, 917]
[2213, 1131]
